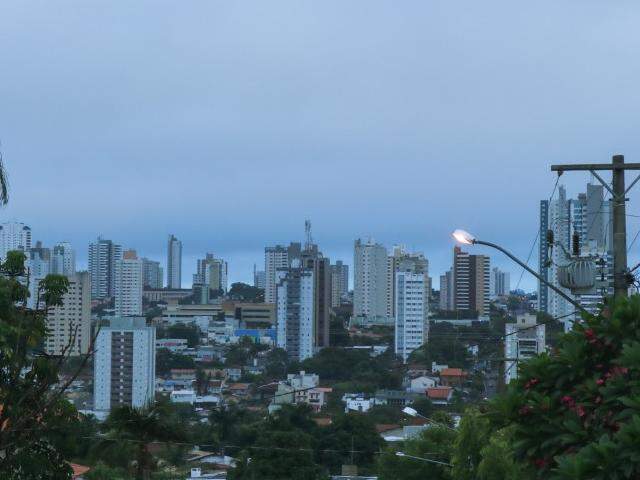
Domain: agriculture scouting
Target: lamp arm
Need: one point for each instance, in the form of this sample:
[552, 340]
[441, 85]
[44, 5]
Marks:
[532, 272]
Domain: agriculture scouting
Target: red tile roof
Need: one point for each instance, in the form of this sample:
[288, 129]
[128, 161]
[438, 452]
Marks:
[439, 393]
[78, 470]
[452, 372]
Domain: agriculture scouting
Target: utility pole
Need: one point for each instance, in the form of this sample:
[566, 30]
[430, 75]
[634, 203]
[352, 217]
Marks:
[619, 195]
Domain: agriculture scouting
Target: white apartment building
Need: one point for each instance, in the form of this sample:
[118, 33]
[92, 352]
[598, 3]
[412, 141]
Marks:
[295, 307]
[523, 340]
[128, 285]
[103, 256]
[63, 259]
[339, 283]
[370, 288]
[124, 364]
[174, 262]
[69, 324]
[14, 236]
[276, 258]
[410, 321]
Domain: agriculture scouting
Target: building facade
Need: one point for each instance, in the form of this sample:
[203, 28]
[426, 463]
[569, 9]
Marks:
[500, 283]
[14, 236]
[103, 255]
[128, 285]
[471, 282]
[69, 324]
[38, 266]
[174, 262]
[522, 340]
[124, 364]
[276, 258]
[63, 259]
[152, 274]
[370, 282]
[589, 217]
[411, 323]
[339, 283]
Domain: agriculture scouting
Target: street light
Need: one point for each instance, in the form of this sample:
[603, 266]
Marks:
[402, 454]
[466, 238]
[412, 412]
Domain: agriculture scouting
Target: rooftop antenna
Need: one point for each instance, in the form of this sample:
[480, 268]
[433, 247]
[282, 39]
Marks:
[307, 233]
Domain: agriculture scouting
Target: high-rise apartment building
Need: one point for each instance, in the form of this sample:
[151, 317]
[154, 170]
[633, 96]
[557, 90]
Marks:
[500, 283]
[295, 311]
[213, 272]
[14, 236]
[152, 274]
[411, 323]
[471, 282]
[370, 286]
[69, 324]
[523, 339]
[589, 216]
[303, 304]
[103, 255]
[63, 259]
[174, 263]
[38, 266]
[259, 278]
[402, 261]
[124, 364]
[339, 283]
[276, 258]
[446, 291]
[128, 285]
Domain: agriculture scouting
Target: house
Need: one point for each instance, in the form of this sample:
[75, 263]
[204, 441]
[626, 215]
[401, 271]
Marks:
[440, 395]
[300, 388]
[400, 433]
[233, 374]
[357, 402]
[396, 398]
[452, 377]
[420, 384]
[239, 389]
[183, 396]
[435, 368]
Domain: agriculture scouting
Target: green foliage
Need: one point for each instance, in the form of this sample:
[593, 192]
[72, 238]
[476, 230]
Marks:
[472, 435]
[166, 360]
[33, 404]
[246, 293]
[352, 431]
[576, 413]
[434, 443]
[188, 331]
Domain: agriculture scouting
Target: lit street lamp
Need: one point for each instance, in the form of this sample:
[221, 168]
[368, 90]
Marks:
[466, 238]
[412, 412]
[402, 454]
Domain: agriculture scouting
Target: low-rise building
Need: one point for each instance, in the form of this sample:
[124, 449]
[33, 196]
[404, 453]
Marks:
[420, 384]
[440, 395]
[357, 402]
[452, 377]
[183, 396]
[174, 345]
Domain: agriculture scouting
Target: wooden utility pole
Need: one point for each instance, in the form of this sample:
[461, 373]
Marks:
[619, 195]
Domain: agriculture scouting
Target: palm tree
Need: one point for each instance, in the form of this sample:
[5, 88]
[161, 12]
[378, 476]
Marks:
[142, 426]
[4, 184]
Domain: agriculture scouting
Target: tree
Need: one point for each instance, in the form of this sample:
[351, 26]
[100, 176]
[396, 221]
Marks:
[4, 183]
[33, 405]
[166, 360]
[575, 413]
[498, 462]
[471, 437]
[351, 436]
[189, 331]
[141, 426]
[246, 293]
[434, 443]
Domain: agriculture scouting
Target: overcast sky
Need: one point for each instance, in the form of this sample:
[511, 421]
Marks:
[229, 123]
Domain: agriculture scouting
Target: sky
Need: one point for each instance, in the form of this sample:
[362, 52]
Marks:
[228, 123]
